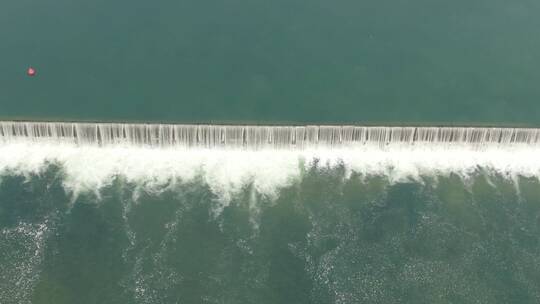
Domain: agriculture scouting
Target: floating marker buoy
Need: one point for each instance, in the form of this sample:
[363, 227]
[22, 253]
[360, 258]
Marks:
[31, 72]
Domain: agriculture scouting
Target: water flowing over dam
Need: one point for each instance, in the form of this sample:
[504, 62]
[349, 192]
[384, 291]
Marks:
[136, 213]
[258, 137]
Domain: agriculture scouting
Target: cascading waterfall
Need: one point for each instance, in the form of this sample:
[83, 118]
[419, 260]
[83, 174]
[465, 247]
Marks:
[228, 155]
[257, 137]
[142, 213]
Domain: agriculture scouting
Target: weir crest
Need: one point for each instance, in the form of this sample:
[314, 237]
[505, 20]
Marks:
[260, 137]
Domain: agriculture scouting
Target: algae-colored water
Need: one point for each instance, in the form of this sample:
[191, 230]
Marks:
[281, 61]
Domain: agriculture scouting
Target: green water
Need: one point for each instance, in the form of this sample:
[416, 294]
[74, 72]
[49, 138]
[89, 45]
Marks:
[327, 238]
[324, 237]
[344, 61]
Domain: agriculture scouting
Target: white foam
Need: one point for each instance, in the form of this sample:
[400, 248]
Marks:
[88, 168]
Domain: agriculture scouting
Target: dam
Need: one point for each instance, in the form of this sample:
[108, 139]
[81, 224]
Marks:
[254, 137]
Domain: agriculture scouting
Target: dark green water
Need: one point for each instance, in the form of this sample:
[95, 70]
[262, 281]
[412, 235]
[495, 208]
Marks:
[326, 238]
[373, 61]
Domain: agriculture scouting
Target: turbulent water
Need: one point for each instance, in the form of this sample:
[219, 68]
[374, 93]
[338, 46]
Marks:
[127, 213]
[365, 224]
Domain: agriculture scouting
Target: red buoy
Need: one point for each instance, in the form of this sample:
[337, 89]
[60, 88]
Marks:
[31, 72]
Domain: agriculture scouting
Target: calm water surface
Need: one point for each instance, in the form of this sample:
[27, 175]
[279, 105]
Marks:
[373, 61]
